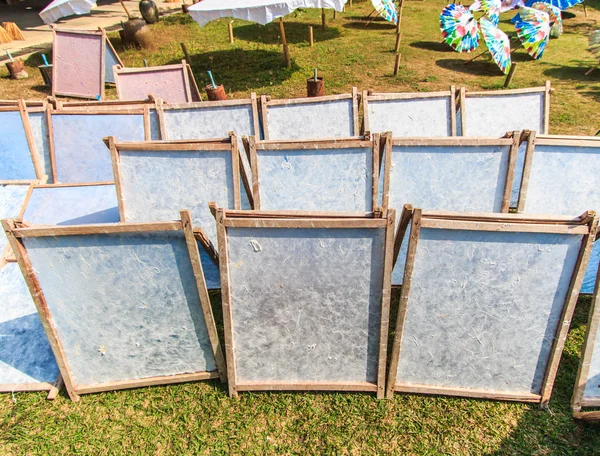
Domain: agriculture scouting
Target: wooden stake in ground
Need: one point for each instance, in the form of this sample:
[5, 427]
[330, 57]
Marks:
[310, 36]
[323, 19]
[286, 51]
[230, 29]
[185, 53]
[13, 30]
[397, 64]
[510, 75]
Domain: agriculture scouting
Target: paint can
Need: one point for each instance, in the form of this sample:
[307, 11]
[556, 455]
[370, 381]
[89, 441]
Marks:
[315, 88]
[215, 94]
[17, 69]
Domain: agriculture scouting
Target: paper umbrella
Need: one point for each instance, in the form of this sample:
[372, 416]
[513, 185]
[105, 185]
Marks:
[534, 31]
[386, 9]
[498, 44]
[459, 28]
[556, 27]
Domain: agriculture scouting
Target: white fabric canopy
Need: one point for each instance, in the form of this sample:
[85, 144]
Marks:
[61, 8]
[260, 11]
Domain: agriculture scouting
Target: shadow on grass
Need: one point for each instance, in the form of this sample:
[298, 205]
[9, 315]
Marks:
[437, 46]
[242, 69]
[377, 24]
[479, 67]
[295, 32]
[575, 73]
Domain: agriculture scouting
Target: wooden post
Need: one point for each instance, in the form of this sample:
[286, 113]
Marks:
[185, 53]
[334, 14]
[323, 19]
[310, 36]
[230, 29]
[400, 5]
[510, 75]
[398, 38]
[286, 51]
[397, 63]
[126, 10]
[584, 8]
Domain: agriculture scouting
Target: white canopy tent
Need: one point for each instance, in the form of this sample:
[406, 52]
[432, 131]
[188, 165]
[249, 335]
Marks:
[61, 8]
[259, 11]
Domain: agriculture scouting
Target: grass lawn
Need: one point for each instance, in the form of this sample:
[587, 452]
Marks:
[199, 417]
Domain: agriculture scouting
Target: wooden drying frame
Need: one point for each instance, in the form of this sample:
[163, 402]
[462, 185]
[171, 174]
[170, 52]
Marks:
[511, 140]
[104, 42]
[303, 219]
[143, 110]
[266, 101]
[15, 233]
[188, 77]
[578, 400]
[229, 144]
[547, 90]
[52, 388]
[22, 107]
[98, 105]
[253, 147]
[585, 225]
[548, 140]
[369, 96]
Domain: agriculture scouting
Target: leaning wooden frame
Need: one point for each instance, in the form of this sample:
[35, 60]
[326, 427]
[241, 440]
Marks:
[436, 118]
[511, 141]
[217, 146]
[137, 110]
[555, 199]
[59, 330]
[527, 371]
[56, 73]
[189, 89]
[495, 117]
[342, 199]
[367, 365]
[554, 180]
[350, 120]
[587, 384]
[7, 260]
[23, 108]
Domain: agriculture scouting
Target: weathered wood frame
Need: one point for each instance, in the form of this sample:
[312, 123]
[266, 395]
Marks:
[304, 219]
[55, 74]
[379, 96]
[546, 90]
[511, 140]
[266, 102]
[15, 233]
[24, 109]
[254, 147]
[6, 257]
[548, 140]
[136, 110]
[578, 401]
[189, 81]
[586, 225]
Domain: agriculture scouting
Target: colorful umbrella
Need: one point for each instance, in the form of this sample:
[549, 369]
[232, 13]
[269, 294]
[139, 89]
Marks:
[498, 43]
[534, 31]
[492, 10]
[560, 4]
[508, 5]
[594, 43]
[556, 27]
[386, 9]
[459, 28]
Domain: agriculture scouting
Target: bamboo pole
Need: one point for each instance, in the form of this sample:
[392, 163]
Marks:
[286, 51]
[397, 64]
[510, 75]
[230, 30]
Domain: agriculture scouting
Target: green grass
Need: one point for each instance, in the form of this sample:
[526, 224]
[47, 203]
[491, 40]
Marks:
[199, 417]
